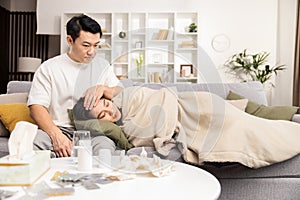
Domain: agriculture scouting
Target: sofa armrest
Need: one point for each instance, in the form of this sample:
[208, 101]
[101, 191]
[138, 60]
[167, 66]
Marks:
[296, 118]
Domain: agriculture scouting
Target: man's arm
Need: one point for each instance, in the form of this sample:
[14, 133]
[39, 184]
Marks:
[61, 143]
[94, 94]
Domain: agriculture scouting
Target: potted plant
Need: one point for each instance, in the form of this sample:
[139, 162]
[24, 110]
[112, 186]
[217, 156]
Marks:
[254, 66]
[192, 27]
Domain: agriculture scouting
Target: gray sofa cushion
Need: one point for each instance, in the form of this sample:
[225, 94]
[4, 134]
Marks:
[252, 90]
[296, 118]
[18, 87]
[260, 189]
[233, 170]
[3, 131]
[3, 146]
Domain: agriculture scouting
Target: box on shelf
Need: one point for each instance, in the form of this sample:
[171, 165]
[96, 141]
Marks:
[24, 172]
[188, 44]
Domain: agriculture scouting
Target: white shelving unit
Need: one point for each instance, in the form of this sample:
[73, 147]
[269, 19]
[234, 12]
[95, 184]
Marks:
[161, 38]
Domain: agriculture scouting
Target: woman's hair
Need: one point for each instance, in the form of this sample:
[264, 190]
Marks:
[79, 112]
[82, 22]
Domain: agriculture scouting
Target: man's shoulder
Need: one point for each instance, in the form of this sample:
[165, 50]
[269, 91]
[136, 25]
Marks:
[57, 57]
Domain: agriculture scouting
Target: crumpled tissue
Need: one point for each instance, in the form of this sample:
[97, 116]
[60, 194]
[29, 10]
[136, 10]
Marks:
[20, 143]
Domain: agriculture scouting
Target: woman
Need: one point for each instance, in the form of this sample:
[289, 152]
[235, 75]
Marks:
[202, 125]
[105, 110]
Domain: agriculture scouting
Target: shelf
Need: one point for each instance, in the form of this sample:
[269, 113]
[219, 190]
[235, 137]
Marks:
[164, 56]
[121, 41]
[138, 34]
[188, 33]
[135, 78]
[120, 63]
[186, 49]
[138, 49]
[186, 78]
[159, 64]
[161, 41]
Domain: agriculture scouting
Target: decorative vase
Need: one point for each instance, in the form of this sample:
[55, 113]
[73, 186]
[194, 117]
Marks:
[122, 34]
[139, 70]
[139, 63]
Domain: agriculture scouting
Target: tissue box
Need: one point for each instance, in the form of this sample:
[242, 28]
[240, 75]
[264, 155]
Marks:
[24, 172]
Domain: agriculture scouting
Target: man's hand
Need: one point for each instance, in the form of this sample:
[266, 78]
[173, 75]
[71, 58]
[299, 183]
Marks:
[62, 146]
[93, 95]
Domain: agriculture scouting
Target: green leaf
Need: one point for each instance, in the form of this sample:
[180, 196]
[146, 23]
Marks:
[250, 64]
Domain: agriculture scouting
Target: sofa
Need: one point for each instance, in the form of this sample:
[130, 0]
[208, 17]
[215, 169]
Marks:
[278, 181]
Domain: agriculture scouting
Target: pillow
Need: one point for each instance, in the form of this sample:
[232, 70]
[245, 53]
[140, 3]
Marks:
[10, 114]
[239, 103]
[71, 117]
[13, 98]
[99, 127]
[268, 112]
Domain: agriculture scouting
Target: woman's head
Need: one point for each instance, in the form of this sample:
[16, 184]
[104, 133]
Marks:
[105, 110]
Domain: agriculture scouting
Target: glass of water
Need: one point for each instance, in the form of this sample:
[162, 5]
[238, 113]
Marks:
[81, 138]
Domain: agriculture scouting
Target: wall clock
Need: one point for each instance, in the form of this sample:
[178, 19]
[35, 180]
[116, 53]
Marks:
[220, 42]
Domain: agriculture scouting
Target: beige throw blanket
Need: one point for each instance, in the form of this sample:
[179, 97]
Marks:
[209, 128]
[149, 116]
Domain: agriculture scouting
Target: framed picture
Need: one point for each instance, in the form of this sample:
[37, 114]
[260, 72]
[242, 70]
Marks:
[139, 45]
[186, 70]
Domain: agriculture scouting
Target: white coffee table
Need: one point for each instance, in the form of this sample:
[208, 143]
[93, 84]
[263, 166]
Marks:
[185, 182]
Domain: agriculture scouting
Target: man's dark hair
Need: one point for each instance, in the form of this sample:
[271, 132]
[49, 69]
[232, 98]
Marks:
[79, 112]
[84, 23]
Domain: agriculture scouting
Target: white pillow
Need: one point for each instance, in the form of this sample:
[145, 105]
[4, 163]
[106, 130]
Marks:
[13, 98]
[240, 104]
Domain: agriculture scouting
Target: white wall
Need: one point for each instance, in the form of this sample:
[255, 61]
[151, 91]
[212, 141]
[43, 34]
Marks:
[248, 24]
[251, 24]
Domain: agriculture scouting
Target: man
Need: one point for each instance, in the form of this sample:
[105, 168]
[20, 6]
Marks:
[61, 81]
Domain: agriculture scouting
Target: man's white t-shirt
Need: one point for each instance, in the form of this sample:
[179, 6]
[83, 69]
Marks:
[59, 83]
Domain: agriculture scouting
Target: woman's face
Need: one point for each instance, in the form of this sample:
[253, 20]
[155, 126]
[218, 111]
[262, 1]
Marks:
[106, 110]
